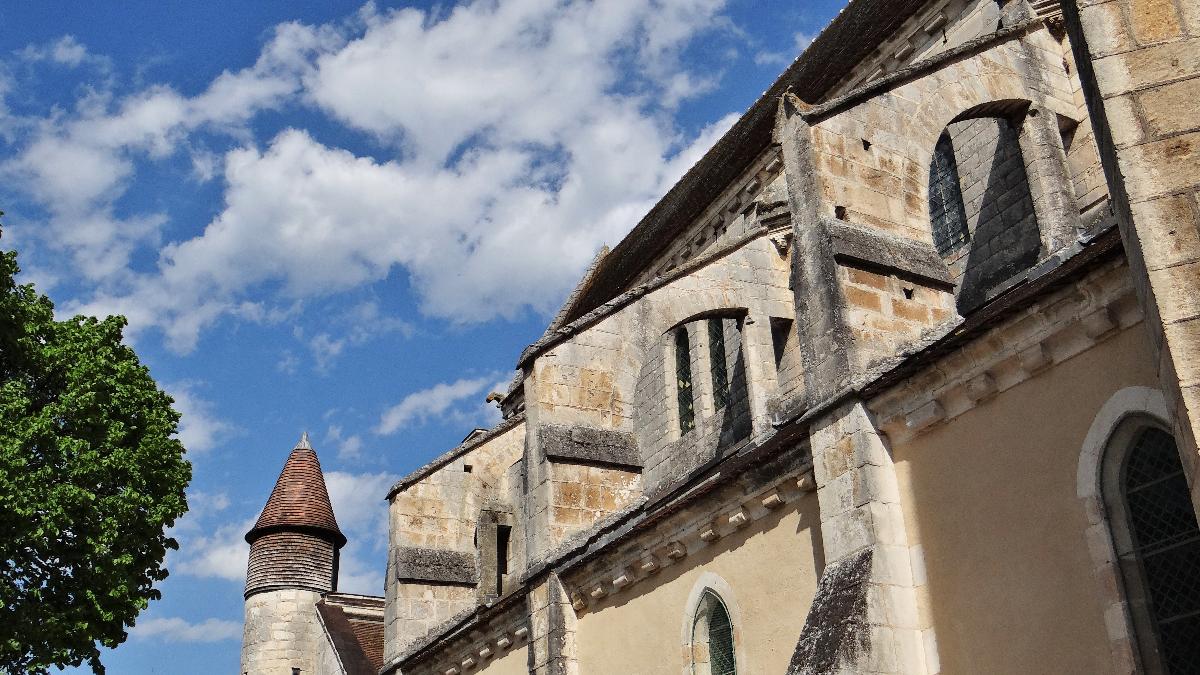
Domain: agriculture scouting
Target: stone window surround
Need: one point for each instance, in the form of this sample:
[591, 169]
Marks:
[1126, 406]
[709, 583]
[1057, 214]
[703, 399]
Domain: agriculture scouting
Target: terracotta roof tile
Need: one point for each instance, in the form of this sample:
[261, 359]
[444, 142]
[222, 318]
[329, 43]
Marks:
[357, 636]
[300, 500]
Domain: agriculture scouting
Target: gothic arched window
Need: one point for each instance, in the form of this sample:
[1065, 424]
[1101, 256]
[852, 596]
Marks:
[713, 649]
[1157, 542]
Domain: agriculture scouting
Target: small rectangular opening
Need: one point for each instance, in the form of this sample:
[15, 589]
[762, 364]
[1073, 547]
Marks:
[467, 468]
[503, 535]
[781, 330]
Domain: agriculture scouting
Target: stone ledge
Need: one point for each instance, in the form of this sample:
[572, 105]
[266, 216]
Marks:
[888, 252]
[434, 566]
[588, 444]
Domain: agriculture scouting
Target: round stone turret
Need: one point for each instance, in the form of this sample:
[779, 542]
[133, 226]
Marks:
[296, 540]
[293, 562]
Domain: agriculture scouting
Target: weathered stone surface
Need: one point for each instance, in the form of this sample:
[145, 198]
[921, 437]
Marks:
[432, 565]
[887, 251]
[588, 444]
[836, 634]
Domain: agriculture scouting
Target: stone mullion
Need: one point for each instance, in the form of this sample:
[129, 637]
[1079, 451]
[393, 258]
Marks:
[702, 384]
[1049, 178]
[762, 381]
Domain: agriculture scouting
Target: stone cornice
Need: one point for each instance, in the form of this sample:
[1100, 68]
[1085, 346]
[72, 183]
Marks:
[767, 228]
[1051, 330]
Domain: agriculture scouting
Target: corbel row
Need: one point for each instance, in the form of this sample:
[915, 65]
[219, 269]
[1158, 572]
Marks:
[1050, 332]
[609, 580]
[719, 218]
[478, 655]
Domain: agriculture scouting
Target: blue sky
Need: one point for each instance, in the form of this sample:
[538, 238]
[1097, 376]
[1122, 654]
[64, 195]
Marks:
[343, 218]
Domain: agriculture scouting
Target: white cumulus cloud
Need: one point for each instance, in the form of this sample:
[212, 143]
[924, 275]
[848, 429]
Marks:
[175, 629]
[200, 429]
[515, 138]
[441, 400]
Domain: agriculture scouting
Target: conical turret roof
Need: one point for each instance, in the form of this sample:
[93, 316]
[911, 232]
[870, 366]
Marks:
[300, 501]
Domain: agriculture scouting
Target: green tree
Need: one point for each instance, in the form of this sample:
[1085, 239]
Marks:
[90, 478]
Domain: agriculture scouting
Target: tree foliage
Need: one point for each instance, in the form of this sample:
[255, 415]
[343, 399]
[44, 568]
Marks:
[90, 478]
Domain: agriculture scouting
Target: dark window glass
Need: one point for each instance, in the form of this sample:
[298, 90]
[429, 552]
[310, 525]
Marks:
[503, 535]
[720, 641]
[781, 329]
[716, 357]
[947, 214]
[1162, 523]
[683, 380]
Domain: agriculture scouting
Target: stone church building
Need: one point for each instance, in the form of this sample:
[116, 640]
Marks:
[903, 376]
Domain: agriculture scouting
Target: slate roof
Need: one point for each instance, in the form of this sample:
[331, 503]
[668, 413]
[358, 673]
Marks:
[300, 501]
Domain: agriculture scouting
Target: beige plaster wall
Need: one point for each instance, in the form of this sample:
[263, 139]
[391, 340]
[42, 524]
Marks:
[512, 662]
[990, 499]
[771, 567]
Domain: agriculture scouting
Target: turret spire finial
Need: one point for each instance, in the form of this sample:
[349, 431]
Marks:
[304, 444]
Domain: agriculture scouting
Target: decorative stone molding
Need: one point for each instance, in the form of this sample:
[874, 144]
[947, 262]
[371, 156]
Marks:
[887, 251]
[602, 579]
[587, 444]
[1057, 327]
[752, 191]
[476, 654]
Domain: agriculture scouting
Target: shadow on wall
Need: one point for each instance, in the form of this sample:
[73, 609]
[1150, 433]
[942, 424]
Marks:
[1005, 238]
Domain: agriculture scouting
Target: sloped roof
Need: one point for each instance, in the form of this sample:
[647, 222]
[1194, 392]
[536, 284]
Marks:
[357, 638]
[852, 36]
[300, 500]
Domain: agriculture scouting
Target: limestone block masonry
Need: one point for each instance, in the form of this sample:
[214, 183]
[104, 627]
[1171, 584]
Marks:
[836, 403]
[281, 632]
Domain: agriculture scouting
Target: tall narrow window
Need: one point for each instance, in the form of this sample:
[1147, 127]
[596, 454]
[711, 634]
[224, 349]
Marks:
[716, 357]
[720, 641]
[683, 380]
[503, 535]
[713, 649]
[947, 214]
[781, 330]
[1158, 545]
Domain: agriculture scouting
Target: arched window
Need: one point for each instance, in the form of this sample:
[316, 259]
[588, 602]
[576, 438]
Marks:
[710, 389]
[1157, 542]
[947, 214]
[981, 210]
[712, 638]
[684, 395]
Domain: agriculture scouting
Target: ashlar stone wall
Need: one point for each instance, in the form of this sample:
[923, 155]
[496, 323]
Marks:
[1145, 58]
[281, 632]
[872, 157]
[614, 381]
[434, 566]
